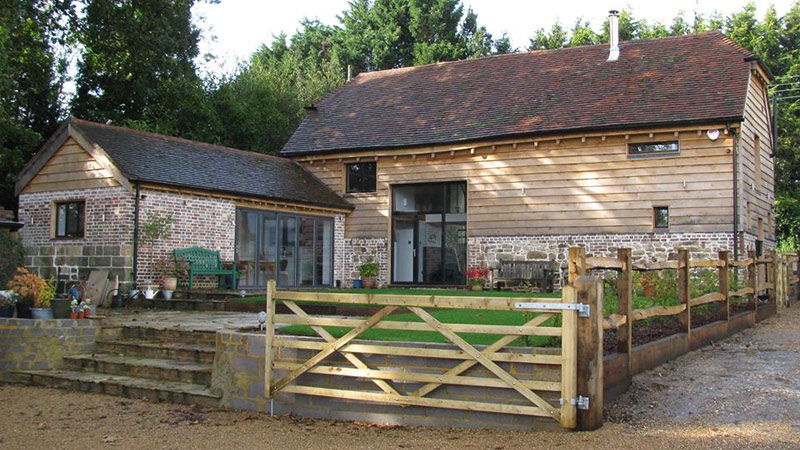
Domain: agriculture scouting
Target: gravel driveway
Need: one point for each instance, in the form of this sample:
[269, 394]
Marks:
[741, 393]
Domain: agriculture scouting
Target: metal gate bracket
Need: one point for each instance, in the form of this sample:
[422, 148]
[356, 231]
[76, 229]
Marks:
[583, 309]
[581, 402]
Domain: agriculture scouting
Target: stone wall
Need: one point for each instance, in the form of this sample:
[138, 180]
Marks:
[41, 344]
[198, 221]
[239, 377]
[108, 235]
[358, 251]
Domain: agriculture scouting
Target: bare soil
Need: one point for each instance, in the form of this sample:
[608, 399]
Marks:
[741, 393]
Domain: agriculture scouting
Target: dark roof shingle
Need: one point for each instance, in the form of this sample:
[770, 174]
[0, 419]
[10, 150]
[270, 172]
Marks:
[178, 162]
[688, 79]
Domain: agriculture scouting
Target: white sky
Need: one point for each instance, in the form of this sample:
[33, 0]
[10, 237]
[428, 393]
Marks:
[233, 29]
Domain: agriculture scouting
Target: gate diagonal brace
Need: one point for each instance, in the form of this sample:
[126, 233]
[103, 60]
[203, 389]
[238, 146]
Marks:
[583, 309]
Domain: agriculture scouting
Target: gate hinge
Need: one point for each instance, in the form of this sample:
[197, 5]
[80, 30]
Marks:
[583, 309]
[581, 402]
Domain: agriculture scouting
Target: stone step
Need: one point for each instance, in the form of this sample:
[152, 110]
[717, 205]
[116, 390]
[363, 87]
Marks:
[170, 335]
[158, 350]
[151, 368]
[184, 304]
[101, 383]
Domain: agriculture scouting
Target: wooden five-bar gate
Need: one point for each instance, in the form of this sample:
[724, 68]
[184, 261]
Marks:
[551, 389]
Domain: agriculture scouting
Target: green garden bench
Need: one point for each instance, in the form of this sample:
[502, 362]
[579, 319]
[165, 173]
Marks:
[204, 262]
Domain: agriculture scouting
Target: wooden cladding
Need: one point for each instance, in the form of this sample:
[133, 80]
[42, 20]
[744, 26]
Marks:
[71, 167]
[579, 185]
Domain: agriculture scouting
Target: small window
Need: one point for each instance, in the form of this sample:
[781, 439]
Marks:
[69, 219]
[361, 177]
[661, 217]
[654, 149]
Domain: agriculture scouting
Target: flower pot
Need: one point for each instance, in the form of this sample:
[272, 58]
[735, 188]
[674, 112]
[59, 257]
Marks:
[170, 283]
[357, 284]
[87, 313]
[60, 307]
[649, 290]
[475, 287]
[368, 282]
[7, 311]
[81, 314]
[41, 313]
[23, 310]
[167, 294]
[73, 315]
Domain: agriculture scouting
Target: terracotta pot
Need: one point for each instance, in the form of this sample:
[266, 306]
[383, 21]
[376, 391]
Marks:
[87, 313]
[649, 290]
[170, 283]
[80, 315]
[73, 315]
[368, 282]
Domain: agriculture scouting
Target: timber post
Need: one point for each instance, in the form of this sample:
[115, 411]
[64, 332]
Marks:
[752, 279]
[576, 263]
[683, 291]
[270, 335]
[723, 276]
[771, 271]
[625, 306]
[590, 352]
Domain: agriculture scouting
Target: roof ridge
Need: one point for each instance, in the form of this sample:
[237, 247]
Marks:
[175, 139]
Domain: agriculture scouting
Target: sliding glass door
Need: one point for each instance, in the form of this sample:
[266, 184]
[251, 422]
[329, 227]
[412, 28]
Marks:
[293, 250]
[429, 233]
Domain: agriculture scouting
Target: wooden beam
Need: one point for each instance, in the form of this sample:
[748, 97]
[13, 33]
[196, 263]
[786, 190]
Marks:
[603, 263]
[614, 322]
[269, 325]
[625, 305]
[711, 297]
[683, 290]
[590, 352]
[569, 353]
[656, 311]
[576, 263]
[723, 278]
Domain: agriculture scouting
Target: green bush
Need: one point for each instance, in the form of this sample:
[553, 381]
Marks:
[12, 257]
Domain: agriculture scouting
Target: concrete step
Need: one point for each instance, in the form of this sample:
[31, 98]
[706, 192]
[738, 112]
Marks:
[158, 350]
[173, 336]
[151, 368]
[184, 304]
[100, 383]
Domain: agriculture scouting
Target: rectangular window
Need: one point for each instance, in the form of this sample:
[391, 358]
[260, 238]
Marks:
[661, 217]
[757, 163]
[654, 149]
[69, 219]
[361, 177]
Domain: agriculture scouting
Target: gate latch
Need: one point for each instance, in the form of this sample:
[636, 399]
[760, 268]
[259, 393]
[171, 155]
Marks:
[581, 402]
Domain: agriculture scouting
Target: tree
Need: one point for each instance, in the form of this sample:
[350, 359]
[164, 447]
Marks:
[556, 38]
[136, 53]
[33, 34]
[582, 34]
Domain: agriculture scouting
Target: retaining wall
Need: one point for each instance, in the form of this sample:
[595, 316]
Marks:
[239, 377]
[27, 344]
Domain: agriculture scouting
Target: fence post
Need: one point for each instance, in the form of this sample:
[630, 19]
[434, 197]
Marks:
[780, 281]
[270, 329]
[576, 263]
[752, 279]
[683, 290]
[724, 283]
[625, 305]
[771, 275]
[797, 275]
[590, 352]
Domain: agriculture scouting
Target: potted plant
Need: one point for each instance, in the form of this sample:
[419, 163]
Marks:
[169, 270]
[476, 277]
[73, 309]
[87, 308]
[241, 270]
[8, 299]
[35, 294]
[368, 272]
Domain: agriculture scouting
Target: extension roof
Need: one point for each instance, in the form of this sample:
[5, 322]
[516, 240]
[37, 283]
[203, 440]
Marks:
[693, 79]
[169, 161]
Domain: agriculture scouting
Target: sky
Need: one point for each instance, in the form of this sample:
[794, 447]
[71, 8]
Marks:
[234, 29]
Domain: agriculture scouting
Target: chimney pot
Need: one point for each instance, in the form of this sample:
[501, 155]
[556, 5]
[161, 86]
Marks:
[613, 33]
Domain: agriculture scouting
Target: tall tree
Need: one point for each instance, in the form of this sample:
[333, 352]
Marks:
[557, 37]
[33, 38]
[136, 54]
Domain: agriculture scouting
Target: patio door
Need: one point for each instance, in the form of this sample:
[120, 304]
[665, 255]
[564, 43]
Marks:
[429, 224]
[291, 249]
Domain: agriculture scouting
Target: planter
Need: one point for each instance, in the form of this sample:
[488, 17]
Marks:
[475, 287]
[7, 311]
[167, 294]
[368, 282]
[357, 284]
[60, 307]
[73, 315]
[118, 301]
[170, 283]
[87, 313]
[23, 310]
[41, 313]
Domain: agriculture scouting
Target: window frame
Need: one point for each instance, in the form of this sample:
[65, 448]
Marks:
[361, 189]
[81, 233]
[654, 154]
[656, 227]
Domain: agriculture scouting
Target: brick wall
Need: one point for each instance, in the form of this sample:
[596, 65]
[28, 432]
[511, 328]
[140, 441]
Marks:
[198, 221]
[108, 235]
[41, 344]
[239, 377]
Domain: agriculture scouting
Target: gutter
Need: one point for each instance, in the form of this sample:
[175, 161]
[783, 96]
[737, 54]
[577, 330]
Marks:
[136, 234]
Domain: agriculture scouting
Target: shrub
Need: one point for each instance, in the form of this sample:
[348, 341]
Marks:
[12, 258]
[33, 288]
[368, 269]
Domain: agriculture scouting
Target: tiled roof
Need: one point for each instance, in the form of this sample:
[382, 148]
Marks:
[178, 162]
[678, 80]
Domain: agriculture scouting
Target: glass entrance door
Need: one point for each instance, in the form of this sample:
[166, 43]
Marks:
[429, 242]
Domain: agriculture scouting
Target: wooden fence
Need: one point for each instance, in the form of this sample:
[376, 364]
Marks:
[497, 360]
[770, 282]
